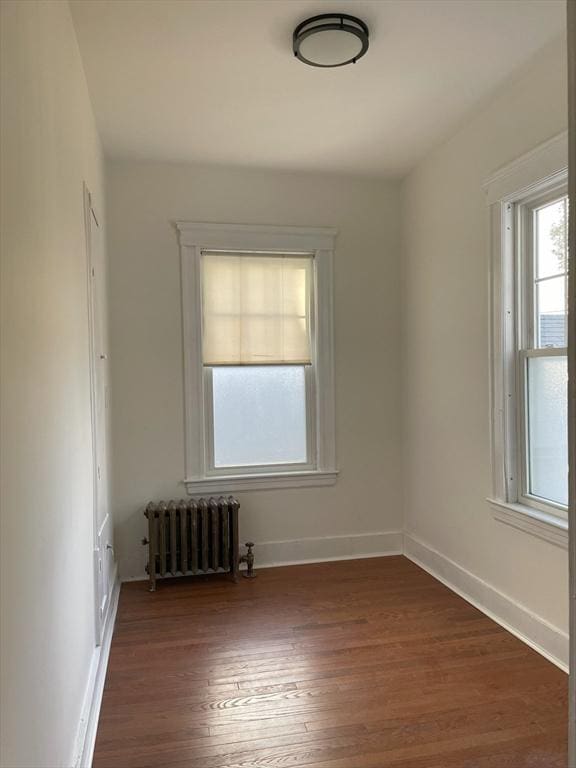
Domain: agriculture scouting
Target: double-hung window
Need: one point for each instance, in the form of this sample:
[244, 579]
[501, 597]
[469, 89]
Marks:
[258, 357]
[542, 237]
[529, 343]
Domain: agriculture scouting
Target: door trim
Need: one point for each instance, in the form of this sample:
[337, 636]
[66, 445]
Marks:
[89, 220]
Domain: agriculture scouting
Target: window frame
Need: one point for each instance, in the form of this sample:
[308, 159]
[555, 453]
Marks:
[540, 174]
[201, 476]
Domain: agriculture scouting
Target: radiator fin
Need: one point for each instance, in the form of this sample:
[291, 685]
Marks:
[173, 546]
[183, 546]
[162, 544]
[194, 536]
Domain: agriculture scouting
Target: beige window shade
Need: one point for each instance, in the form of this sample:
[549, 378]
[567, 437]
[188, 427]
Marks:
[256, 309]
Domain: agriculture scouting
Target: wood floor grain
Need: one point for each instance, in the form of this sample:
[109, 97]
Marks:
[358, 664]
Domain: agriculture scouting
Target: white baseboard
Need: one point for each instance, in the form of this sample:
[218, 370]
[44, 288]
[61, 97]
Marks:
[320, 549]
[270, 554]
[535, 631]
[88, 726]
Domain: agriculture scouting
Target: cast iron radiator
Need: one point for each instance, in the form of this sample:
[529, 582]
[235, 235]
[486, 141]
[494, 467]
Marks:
[192, 536]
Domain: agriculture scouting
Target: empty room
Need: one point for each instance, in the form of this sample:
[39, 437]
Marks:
[288, 412]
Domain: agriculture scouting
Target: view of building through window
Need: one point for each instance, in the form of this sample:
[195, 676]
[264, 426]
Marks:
[551, 226]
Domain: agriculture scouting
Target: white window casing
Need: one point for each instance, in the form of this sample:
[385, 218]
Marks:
[200, 475]
[532, 177]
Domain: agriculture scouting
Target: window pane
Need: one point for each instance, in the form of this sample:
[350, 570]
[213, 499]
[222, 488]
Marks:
[551, 314]
[551, 239]
[259, 415]
[548, 428]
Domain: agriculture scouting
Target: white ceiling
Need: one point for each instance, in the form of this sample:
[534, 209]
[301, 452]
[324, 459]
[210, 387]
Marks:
[215, 81]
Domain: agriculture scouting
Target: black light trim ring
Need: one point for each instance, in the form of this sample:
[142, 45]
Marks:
[343, 21]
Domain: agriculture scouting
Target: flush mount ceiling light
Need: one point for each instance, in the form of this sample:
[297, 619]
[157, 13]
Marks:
[330, 40]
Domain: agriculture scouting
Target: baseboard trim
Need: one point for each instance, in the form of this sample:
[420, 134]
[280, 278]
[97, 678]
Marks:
[548, 640]
[88, 726]
[320, 549]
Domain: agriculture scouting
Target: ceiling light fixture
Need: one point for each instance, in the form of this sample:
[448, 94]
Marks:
[330, 40]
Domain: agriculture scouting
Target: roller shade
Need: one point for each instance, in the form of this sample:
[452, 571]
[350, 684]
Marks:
[256, 308]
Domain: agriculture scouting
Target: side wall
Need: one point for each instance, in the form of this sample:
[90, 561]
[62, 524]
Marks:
[146, 332]
[446, 440]
[49, 147]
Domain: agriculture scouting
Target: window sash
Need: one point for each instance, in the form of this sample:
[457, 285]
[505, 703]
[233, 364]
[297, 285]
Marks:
[523, 451]
[310, 377]
[254, 469]
[526, 280]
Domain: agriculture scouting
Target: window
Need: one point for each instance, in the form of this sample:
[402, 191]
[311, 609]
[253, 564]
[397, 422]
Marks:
[542, 237]
[529, 342]
[258, 357]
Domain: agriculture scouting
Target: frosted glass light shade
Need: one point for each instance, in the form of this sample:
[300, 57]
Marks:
[331, 47]
[330, 40]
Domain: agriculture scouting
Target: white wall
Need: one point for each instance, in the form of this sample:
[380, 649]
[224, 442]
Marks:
[49, 146]
[445, 384]
[147, 405]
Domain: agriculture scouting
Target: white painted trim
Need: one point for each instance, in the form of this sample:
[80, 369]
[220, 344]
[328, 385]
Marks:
[199, 478]
[539, 634]
[88, 726]
[270, 554]
[261, 482]
[531, 520]
[325, 406]
[571, 36]
[95, 437]
[541, 163]
[255, 236]
[194, 417]
[502, 353]
[536, 173]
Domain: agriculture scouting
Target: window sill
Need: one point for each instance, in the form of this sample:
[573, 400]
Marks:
[542, 524]
[263, 482]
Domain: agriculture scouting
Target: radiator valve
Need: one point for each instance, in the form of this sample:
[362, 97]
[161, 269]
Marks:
[248, 558]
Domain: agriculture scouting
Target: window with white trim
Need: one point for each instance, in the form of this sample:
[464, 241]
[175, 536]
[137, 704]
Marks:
[542, 367]
[258, 356]
[529, 226]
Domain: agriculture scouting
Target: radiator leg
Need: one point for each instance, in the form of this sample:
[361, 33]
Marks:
[151, 578]
[150, 572]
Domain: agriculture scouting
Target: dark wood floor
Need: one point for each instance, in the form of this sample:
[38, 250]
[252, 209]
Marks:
[360, 664]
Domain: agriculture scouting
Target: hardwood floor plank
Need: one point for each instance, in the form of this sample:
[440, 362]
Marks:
[361, 664]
